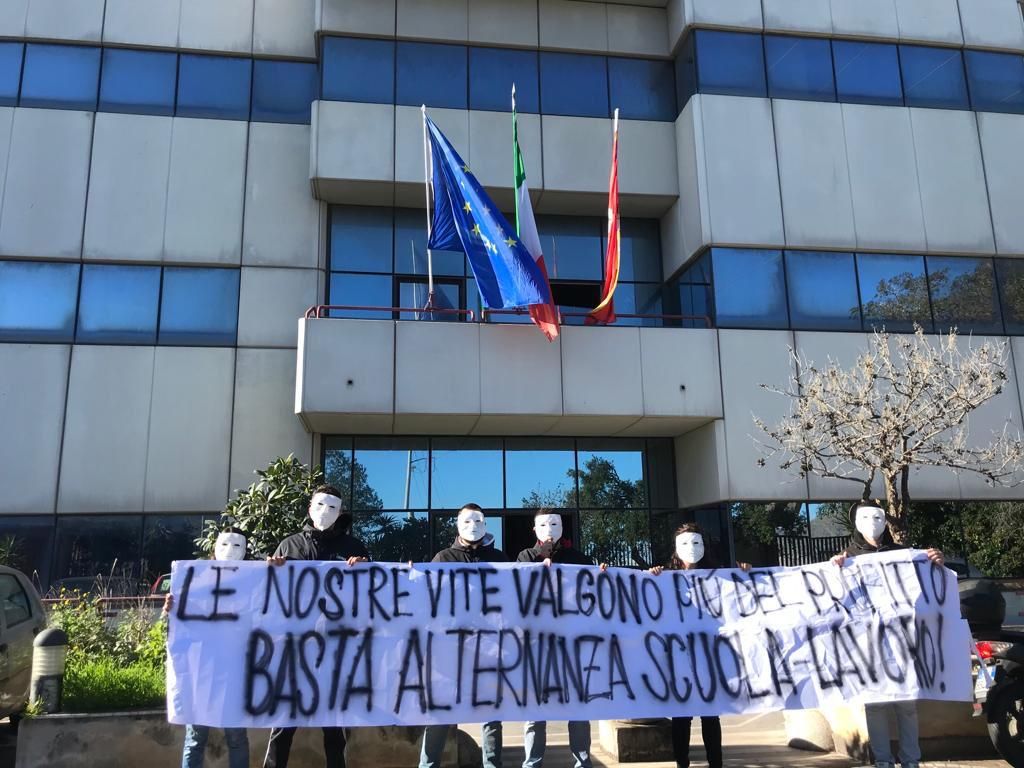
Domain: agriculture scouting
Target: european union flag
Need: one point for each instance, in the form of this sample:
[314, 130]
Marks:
[466, 219]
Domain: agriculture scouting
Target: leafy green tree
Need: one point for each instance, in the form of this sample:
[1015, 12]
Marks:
[755, 527]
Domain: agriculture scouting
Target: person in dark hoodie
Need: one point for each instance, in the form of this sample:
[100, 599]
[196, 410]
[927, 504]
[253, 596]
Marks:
[472, 545]
[870, 536]
[324, 537]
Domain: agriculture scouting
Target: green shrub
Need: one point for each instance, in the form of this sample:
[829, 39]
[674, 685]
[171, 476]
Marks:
[82, 620]
[103, 685]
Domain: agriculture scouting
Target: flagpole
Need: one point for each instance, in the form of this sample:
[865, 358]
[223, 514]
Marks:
[426, 179]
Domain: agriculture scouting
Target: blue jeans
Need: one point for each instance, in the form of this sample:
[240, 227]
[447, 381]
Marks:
[434, 737]
[195, 746]
[877, 716]
[535, 740]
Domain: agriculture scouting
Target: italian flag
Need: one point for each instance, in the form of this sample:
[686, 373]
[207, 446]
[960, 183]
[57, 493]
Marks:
[545, 316]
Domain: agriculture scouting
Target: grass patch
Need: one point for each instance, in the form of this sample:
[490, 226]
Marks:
[103, 685]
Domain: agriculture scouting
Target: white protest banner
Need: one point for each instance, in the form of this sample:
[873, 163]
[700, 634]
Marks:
[322, 643]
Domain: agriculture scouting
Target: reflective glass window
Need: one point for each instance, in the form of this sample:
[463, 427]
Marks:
[65, 76]
[1010, 273]
[166, 538]
[431, 73]
[118, 304]
[338, 466]
[492, 71]
[32, 536]
[996, 80]
[799, 68]
[464, 470]
[640, 253]
[963, 293]
[638, 299]
[214, 86]
[730, 63]
[391, 473]
[893, 292]
[356, 290]
[199, 306]
[395, 537]
[694, 295]
[750, 288]
[540, 473]
[88, 545]
[282, 91]
[643, 89]
[415, 293]
[361, 238]
[572, 246]
[10, 72]
[356, 69]
[822, 291]
[686, 71]
[867, 73]
[411, 247]
[38, 301]
[138, 81]
[620, 538]
[934, 77]
[573, 84]
[661, 473]
[611, 474]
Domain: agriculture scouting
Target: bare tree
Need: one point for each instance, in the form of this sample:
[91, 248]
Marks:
[905, 403]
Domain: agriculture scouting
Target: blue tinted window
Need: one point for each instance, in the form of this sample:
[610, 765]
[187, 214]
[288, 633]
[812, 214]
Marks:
[750, 289]
[638, 299]
[686, 72]
[893, 292]
[414, 294]
[60, 76]
[822, 291]
[411, 247]
[799, 68]
[963, 293]
[730, 63]
[10, 71]
[431, 74]
[138, 81]
[118, 304]
[573, 84]
[933, 77]
[644, 89]
[214, 86]
[997, 81]
[358, 70]
[640, 257]
[282, 91]
[867, 73]
[492, 71]
[572, 246]
[199, 306]
[1011, 293]
[37, 301]
[360, 291]
[361, 239]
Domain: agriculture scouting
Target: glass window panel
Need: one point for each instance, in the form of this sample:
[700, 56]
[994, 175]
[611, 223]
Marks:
[214, 86]
[14, 602]
[640, 255]
[572, 246]
[661, 473]
[446, 529]
[1011, 293]
[118, 304]
[166, 538]
[415, 293]
[893, 292]
[620, 538]
[822, 291]
[750, 289]
[282, 91]
[361, 239]
[356, 69]
[686, 71]
[138, 81]
[644, 89]
[611, 474]
[91, 546]
[433, 74]
[867, 73]
[38, 301]
[638, 299]
[29, 540]
[540, 473]
[338, 466]
[355, 290]
[934, 77]
[997, 81]
[573, 84]
[799, 68]
[391, 473]
[963, 293]
[411, 247]
[10, 72]
[492, 71]
[730, 63]
[199, 306]
[394, 537]
[466, 470]
[65, 76]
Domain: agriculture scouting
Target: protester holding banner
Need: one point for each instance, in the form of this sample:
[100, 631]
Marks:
[472, 545]
[324, 537]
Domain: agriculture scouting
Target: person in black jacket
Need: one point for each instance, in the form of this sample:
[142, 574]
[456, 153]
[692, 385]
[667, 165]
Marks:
[324, 537]
[472, 545]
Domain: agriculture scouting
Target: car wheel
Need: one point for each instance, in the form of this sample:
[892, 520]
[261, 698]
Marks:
[1006, 723]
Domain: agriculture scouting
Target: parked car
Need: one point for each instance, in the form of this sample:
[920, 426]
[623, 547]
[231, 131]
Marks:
[21, 618]
[161, 586]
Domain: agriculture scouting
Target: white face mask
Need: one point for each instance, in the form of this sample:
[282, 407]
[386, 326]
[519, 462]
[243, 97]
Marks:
[690, 547]
[471, 525]
[548, 527]
[324, 510]
[229, 546]
[870, 522]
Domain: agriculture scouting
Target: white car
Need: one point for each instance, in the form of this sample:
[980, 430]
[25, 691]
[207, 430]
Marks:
[21, 618]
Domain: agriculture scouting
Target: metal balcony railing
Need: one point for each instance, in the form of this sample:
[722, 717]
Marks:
[321, 311]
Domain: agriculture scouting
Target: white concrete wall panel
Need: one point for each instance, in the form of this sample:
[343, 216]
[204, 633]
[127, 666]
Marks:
[521, 377]
[745, 14]
[189, 430]
[690, 214]
[225, 25]
[680, 372]
[355, 143]
[502, 22]
[284, 28]
[637, 30]
[454, 124]
[357, 17]
[601, 372]
[142, 22]
[124, 218]
[106, 429]
[44, 195]
[433, 19]
[865, 18]
[270, 302]
[817, 206]
[798, 16]
[992, 24]
[63, 20]
[206, 191]
[572, 25]
[437, 372]
[929, 21]
[742, 171]
[952, 180]
[33, 380]
[1002, 137]
[647, 158]
[883, 177]
[280, 227]
[489, 136]
[12, 18]
[576, 153]
[702, 466]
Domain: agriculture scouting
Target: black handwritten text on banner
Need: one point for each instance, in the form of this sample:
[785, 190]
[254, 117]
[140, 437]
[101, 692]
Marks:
[312, 643]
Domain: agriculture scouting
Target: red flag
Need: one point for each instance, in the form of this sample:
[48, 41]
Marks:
[605, 311]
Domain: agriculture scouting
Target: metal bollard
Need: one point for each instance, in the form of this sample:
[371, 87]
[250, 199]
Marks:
[49, 653]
